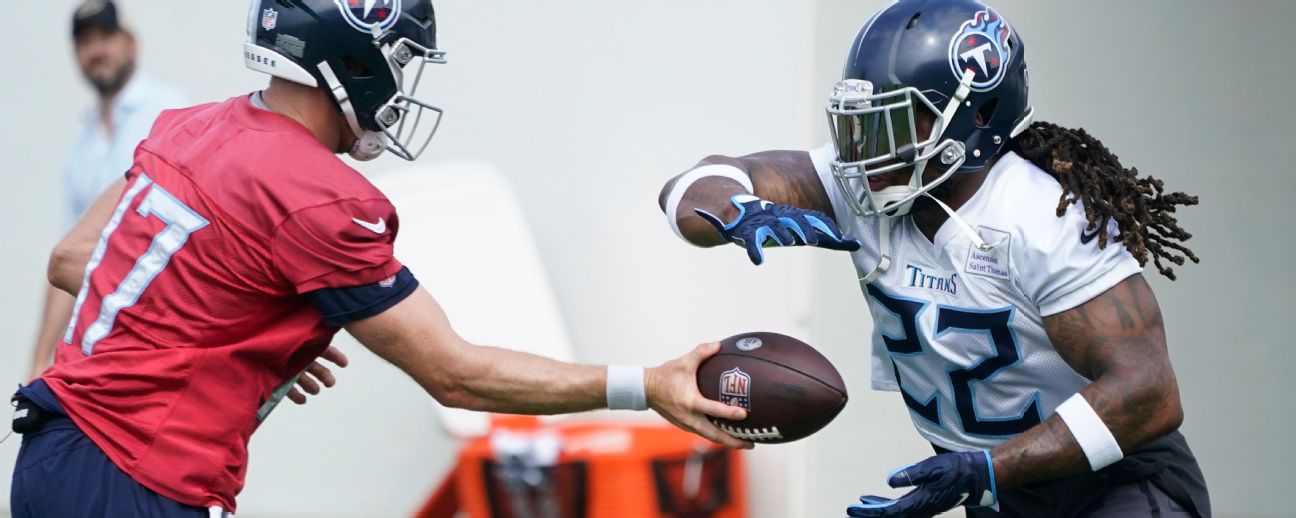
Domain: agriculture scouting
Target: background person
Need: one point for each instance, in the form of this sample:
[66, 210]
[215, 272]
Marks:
[127, 103]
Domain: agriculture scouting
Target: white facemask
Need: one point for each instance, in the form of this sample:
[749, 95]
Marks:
[368, 146]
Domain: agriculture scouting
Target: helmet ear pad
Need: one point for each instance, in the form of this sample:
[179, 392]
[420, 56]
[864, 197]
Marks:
[976, 122]
[369, 83]
[985, 122]
[990, 120]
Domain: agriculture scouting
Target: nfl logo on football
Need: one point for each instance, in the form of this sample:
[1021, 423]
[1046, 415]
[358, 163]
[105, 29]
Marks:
[735, 388]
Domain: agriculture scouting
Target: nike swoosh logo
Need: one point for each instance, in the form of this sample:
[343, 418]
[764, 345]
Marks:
[1085, 237]
[377, 228]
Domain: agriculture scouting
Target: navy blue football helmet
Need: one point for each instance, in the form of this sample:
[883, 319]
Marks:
[956, 66]
[368, 54]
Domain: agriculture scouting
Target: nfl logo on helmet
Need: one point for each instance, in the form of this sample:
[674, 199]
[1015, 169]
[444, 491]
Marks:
[269, 19]
[981, 46]
[735, 388]
[366, 15]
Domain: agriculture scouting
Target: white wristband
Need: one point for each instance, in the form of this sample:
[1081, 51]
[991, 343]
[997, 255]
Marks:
[681, 186]
[1099, 446]
[625, 388]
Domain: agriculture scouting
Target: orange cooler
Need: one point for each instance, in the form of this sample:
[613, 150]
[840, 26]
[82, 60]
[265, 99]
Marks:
[591, 470]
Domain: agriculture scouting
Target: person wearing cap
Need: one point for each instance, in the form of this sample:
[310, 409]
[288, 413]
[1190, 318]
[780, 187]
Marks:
[127, 102]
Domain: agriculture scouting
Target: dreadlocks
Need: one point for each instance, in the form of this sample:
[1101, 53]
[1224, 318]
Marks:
[1092, 175]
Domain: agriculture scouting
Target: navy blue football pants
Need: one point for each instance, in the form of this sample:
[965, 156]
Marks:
[1134, 500]
[62, 473]
[1159, 480]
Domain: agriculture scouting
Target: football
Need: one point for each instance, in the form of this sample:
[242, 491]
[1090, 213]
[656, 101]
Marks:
[789, 390]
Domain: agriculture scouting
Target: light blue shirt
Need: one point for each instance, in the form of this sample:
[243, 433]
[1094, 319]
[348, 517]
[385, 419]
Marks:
[97, 159]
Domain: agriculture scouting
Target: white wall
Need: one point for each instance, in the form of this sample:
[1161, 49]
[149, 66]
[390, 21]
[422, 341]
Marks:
[1195, 93]
[587, 106]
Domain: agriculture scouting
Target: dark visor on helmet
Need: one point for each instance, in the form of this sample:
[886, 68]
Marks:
[870, 128]
[879, 130]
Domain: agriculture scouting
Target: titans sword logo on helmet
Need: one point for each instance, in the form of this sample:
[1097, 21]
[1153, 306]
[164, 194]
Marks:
[981, 45]
[364, 15]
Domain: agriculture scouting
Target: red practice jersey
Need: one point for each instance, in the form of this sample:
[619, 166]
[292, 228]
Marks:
[191, 321]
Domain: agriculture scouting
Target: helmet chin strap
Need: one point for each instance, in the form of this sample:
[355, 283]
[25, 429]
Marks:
[967, 229]
[885, 198]
[890, 198]
[884, 246]
[368, 145]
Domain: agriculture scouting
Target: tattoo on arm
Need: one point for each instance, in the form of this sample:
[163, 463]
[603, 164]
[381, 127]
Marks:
[783, 177]
[788, 178]
[1118, 341]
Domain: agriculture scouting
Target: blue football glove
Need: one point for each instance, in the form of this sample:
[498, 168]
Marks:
[943, 481]
[761, 223]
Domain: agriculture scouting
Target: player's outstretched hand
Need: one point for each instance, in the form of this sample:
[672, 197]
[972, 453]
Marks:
[673, 392]
[943, 482]
[311, 379]
[762, 223]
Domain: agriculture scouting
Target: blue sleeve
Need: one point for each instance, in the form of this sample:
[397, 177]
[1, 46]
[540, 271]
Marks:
[341, 306]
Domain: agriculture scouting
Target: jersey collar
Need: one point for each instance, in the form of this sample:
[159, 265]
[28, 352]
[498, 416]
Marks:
[265, 120]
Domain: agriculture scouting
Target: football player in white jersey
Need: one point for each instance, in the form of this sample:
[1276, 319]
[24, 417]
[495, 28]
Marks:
[1001, 259]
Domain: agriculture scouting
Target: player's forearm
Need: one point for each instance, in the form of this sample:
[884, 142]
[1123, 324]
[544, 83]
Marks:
[54, 319]
[68, 260]
[1137, 407]
[500, 380]
[1118, 340]
[415, 336]
[781, 177]
[67, 267]
[711, 194]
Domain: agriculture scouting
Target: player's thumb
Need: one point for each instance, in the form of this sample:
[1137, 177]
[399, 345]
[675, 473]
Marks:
[700, 354]
[846, 243]
[711, 218]
[912, 475]
[755, 253]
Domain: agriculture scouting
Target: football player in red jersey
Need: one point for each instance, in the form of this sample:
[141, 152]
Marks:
[234, 249]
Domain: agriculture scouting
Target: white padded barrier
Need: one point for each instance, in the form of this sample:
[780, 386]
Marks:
[463, 235]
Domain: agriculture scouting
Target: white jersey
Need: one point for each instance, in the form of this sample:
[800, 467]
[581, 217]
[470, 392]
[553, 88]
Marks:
[959, 332]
